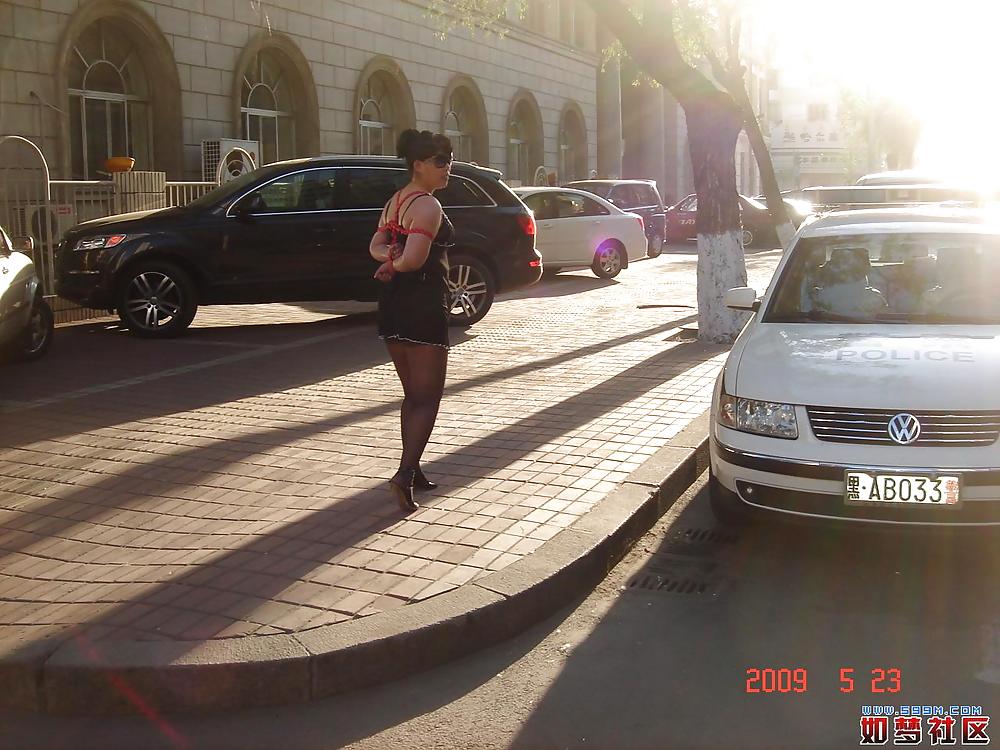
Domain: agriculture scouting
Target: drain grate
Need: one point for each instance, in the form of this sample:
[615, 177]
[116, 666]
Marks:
[673, 574]
[654, 582]
[716, 536]
[700, 542]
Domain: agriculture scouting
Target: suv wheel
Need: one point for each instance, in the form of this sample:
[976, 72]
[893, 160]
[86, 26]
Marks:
[747, 237]
[607, 261]
[656, 244]
[156, 300]
[472, 289]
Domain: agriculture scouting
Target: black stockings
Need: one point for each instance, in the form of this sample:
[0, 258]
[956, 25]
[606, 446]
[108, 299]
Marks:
[421, 369]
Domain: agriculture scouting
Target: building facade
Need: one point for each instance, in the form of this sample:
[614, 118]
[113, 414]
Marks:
[808, 143]
[156, 81]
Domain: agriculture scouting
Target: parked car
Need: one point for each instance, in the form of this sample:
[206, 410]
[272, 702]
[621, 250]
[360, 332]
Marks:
[883, 195]
[638, 197]
[796, 208]
[900, 177]
[864, 386]
[26, 321]
[757, 224]
[292, 231]
[577, 229]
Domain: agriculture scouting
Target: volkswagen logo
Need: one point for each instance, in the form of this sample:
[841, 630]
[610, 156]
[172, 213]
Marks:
[904, 428]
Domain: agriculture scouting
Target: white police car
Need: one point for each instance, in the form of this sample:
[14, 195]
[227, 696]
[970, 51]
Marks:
[866, 386]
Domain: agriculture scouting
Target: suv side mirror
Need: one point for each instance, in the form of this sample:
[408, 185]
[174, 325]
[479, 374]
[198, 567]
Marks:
[24, 244]
[742, 298]
[242, 212]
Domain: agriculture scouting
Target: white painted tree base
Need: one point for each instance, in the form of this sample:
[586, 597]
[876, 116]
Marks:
[721, 267]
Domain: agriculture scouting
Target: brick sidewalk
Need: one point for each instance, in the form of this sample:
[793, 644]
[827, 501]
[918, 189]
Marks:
[247, 495]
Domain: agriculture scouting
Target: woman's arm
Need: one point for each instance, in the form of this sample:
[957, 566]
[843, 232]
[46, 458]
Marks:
[426, 220]
[380, 247]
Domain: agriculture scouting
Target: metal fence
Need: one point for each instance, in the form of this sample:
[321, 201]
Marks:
[31, 203]
[180, 193]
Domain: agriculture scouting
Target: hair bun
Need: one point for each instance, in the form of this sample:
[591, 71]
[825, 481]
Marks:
[417, 145]
[407, 142]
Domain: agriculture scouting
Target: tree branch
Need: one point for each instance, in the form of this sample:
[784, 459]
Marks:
[718, 71]
[655, 50]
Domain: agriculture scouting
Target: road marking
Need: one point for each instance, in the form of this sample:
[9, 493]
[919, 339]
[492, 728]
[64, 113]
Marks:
[7, 407]
[221, 344]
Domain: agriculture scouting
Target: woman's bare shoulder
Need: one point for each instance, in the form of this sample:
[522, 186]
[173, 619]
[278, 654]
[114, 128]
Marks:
[427, 209]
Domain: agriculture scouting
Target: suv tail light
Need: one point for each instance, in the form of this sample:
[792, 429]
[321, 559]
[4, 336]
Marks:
[527, 222]
[642, 224]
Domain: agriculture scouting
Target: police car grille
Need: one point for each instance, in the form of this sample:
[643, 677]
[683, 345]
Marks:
[937, 428]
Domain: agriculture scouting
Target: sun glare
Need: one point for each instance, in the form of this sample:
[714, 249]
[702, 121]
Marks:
[936, 59]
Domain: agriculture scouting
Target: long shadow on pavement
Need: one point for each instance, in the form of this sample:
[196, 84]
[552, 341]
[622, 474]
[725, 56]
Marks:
[97, 355]
[206, 461]
[241, 581]
[561, 285]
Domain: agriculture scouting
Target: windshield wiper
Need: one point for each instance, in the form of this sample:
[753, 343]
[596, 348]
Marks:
[819, 316]
[828, 317]
[941, 318]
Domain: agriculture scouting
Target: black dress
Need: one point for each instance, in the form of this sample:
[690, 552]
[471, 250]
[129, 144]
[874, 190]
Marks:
[414, 305]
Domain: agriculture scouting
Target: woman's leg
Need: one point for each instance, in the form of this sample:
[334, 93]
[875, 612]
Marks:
[425, 368]
[398, 352]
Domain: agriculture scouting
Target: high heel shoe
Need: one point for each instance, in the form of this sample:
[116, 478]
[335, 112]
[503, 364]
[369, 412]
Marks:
[420, 482]
[402, 486]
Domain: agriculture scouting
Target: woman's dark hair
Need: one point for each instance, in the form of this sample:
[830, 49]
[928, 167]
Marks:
[417, 145]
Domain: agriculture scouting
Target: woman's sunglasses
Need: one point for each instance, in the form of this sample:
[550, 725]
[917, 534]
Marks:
[442, 160]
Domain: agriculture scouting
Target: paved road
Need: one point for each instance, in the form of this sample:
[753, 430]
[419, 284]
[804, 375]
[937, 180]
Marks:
[631, 667]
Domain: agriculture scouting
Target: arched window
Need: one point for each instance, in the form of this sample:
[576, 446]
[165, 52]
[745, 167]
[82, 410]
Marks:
[566, 171]
[519, 165]
[384, 107]
[572, 145]
[465, 121]
[525, 151]
[267, 108]
[461, 142]
[108, 100]
[377, 116]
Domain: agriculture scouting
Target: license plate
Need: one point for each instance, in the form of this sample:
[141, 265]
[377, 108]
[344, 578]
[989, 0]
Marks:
[863, 488]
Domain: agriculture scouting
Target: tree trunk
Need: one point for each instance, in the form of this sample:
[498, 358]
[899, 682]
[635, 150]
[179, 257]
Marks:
[733, 79]
[714, 123]
[768, 181]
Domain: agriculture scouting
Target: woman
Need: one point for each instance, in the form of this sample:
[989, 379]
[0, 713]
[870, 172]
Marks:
[413, 305]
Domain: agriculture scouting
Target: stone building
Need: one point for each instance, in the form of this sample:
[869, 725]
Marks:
[154, 79]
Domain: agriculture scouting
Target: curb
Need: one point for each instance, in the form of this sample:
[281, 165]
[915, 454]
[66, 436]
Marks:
[130, 677]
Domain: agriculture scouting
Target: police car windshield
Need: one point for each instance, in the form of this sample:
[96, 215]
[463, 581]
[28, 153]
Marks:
[918, 278]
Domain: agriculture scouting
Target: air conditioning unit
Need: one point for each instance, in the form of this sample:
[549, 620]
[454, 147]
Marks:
[46, 222]
[225, 150]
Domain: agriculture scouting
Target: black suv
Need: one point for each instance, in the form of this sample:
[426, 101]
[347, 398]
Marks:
[288, 232]
[637, 197]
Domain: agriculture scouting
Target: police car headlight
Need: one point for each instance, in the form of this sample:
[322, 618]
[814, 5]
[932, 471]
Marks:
[758, 417]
